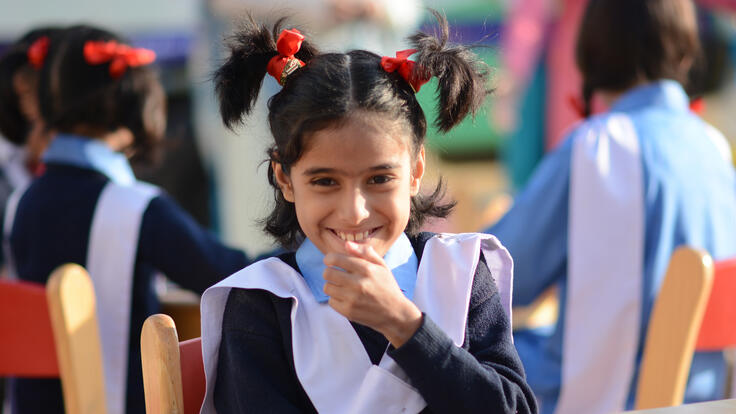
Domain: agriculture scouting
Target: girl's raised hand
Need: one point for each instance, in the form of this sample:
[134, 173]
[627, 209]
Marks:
[363, 289]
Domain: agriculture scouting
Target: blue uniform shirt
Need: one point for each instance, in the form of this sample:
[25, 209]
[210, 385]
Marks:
[689, 199]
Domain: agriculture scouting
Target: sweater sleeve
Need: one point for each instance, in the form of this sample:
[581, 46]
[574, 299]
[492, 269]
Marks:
[173, 243]
[485, 375]
[255, 373]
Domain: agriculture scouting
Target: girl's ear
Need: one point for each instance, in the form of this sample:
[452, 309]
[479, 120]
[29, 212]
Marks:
[417, 172]
[284, 181]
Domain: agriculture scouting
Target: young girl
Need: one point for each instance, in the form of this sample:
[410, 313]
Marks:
[368, 315]
[602, 215]
[20, 127]
[103, 101]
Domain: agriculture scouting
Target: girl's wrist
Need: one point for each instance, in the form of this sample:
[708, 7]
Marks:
[406, 324]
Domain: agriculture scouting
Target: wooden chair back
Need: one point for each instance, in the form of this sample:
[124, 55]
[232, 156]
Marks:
[73, 310]
[173, 372]
[673, 329]
[51, 332]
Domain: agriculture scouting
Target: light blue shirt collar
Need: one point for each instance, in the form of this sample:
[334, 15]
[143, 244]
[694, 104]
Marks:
[89, 153]
[400, 258]
[664, 93]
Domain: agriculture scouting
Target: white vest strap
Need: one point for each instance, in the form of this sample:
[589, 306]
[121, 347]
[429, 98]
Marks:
[324, 341]
[11, 208]
[111, 255]
[606, 232]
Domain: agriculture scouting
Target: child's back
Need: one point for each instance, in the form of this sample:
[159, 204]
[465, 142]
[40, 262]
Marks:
[88, 208]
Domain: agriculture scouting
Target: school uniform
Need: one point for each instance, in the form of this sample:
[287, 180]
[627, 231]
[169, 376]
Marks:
[271, 342]
[599, 220]
[87, 208]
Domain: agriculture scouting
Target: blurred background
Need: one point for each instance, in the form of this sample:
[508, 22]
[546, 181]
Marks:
[217, 174]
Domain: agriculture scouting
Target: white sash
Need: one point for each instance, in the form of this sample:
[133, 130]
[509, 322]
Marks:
[111, 255]
[606, 237]
[323, 341]
[11, 207]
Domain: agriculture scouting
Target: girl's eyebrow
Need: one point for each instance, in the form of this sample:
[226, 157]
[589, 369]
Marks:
[327, 170]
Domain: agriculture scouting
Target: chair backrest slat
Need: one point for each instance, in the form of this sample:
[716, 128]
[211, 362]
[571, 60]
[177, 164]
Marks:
[192, 374]
[27, 345]
[718, 330]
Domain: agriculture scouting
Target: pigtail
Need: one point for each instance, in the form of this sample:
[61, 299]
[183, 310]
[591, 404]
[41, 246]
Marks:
[239, 79]
[462, 78]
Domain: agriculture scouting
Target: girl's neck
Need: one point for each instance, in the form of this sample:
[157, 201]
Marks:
[609, 97]
[118, 140]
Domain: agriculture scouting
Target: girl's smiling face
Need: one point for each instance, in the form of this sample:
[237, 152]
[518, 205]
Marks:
[354, 182]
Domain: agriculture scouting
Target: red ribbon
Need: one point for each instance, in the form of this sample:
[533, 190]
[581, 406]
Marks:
[120, 56]
[284, 64]
[37, 52]
[405, 67]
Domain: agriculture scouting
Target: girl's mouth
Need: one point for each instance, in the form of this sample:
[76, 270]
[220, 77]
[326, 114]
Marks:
[354, 236]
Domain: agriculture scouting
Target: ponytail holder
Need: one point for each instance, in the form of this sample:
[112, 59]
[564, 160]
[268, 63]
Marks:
[120, 56]
[405, 67]
[284, 64]
[37, 52]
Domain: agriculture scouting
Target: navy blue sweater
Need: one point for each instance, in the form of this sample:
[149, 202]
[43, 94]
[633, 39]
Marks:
[52, 227]
[256, 372]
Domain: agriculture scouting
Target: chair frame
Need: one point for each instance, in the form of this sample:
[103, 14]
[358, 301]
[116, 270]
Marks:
[170, 367]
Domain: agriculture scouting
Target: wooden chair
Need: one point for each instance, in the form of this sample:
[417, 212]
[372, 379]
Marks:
[173, 371]
[52, 332]
[673, 329]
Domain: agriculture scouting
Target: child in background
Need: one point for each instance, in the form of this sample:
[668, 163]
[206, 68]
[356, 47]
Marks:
[602, 215]
[20, 123]
[103, 101]
[368, 315]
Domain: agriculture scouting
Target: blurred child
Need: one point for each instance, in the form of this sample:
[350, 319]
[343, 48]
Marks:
[103, 102]
[367, 315]
[602, 215]
[20, 123]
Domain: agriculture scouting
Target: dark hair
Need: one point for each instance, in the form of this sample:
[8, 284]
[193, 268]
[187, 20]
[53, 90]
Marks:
[623, 41]
[333, 86]
[14, 125]
[74, 93]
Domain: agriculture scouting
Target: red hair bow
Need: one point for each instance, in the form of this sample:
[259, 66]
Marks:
[405, 67]
[37, 52]
[120, 56]
[284, 64]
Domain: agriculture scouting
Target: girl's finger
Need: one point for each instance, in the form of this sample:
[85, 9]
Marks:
[347, 263]
[364, 251]
[336, 276]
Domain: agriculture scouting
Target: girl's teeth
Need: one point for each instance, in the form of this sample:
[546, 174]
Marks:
[354, 236]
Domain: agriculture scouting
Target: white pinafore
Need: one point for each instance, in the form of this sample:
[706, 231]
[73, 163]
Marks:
[323, 341]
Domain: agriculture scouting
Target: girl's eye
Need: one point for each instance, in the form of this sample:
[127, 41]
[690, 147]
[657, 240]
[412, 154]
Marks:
[380, 179]
[323, 182]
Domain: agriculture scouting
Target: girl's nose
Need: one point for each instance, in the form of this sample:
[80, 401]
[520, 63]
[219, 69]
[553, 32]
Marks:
[354, 208]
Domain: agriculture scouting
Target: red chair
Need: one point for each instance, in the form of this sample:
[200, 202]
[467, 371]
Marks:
[173, 371]
[718, 330]
[27, 345]
[51, 332]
